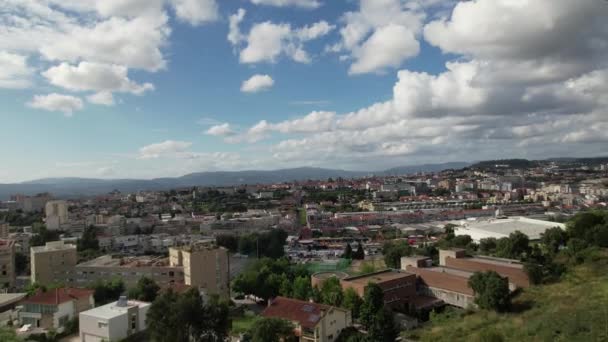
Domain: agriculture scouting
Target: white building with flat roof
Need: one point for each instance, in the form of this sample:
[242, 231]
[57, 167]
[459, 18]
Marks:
[113, 322]
[502, 227]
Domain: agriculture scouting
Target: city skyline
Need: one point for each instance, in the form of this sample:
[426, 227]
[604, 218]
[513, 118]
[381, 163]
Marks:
[144, 89]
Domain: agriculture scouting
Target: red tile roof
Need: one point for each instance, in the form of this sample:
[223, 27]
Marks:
[305, 313]
[58, 296]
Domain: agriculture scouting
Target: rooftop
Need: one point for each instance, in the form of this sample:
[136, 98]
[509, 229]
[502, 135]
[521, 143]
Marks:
[113, 309]
[503, 227]
[378, 277]
[305, 313]
[136, 261]
[53, 246]
[58, 296]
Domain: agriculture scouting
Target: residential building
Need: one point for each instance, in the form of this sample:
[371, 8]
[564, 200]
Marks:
[398, 286]
[113, 322]
[205, 266]
[56, 213]
[52, 262]
[313, 322]
[54, 308]
[7, 264]
[4, 230]
[129, 269]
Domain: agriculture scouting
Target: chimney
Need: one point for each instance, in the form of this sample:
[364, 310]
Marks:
[122, 302]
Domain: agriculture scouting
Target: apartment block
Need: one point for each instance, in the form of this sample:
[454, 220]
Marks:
[205, 266]
[54, 308]
[7, 263]
[52, 262]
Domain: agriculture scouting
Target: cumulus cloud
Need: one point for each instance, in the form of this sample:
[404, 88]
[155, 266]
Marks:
[234, 32]
[14, 71]
[196, 12]
[543, 95]
[96, 77]
[267, 41]
[309, 4]
[168, 148]
[257, 83]
[221, 130]
[57, 103]
[102, 98]
[380, 36]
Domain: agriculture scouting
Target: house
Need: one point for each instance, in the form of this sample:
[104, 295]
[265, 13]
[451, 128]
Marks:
[398, 286]
[113, 322]
[54, 308]
[313, 322]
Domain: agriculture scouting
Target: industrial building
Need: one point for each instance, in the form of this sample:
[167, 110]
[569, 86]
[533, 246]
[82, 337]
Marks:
[501, 227]
[399, 287]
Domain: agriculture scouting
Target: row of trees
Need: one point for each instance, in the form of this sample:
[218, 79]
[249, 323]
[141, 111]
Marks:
[267, 278]
[268, 244]
[359, 254]
[185, 317]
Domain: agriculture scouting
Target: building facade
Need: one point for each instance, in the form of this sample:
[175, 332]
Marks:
[399, 287]
[56, 214]
[52, 262]
[7, 264]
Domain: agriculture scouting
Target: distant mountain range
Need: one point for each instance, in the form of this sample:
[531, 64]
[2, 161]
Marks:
[76, 187]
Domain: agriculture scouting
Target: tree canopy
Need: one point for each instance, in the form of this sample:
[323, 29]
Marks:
[491, 291]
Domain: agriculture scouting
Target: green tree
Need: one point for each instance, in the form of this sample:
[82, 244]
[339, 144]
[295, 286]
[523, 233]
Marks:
[383, 327]
[491, 291]
[352, 302]
[88, 241]
[302, 288]
[331, 292]
[513, 246]
[554, 238]
[348, 252]
[487, 245]
[393, 251]
[534, 272]
[359, 254]
[373, 302]
[21, 263]
[271, 330]
[146, 290]
[108, 291]
[7, 334]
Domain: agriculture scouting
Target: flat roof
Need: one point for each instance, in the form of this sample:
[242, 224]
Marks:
[137, 261]
[498, 261]
[53, 246]
[378, 277]
[10, 298]
[503, 227]
[112, 310]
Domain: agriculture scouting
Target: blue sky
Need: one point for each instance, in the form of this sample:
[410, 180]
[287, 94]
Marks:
[143, 89]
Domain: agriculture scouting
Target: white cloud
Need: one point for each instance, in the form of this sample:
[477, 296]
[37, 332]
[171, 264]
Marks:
[388, 47]
[257, 83]
[168, 148]
[96, 77]
[234, 32]
[309, 4]
[196, 12]
[57, 103]
[102, 98]
[221, 130]
[14, 71]
[267, 41]
[381, 35]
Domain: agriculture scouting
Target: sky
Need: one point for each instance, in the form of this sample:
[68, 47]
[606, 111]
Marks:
[157, 88]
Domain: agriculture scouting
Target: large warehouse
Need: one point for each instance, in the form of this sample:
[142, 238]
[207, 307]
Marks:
[502, 227]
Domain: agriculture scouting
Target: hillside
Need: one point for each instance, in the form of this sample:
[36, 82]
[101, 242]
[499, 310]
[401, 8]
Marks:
[573, 309]
[89, 186]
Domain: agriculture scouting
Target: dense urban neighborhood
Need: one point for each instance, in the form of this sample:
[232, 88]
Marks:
[376, 258]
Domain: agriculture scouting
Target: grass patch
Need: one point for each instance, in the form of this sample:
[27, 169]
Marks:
[243, 323]
[573, 309]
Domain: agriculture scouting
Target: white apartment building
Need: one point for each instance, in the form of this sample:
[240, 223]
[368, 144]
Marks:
[56, 213]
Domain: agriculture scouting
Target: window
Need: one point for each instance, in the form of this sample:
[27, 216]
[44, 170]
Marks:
[133, 322]
[102, 325]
